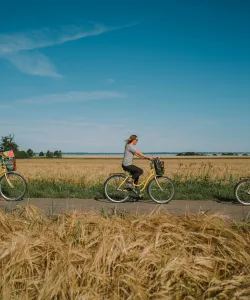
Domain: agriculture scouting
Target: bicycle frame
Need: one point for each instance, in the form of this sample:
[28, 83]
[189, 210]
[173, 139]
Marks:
[4, 172]
[145, 182]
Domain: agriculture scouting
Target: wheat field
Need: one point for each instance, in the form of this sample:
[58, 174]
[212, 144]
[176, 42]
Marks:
[116, 255]
[94, 170]
[88, 256]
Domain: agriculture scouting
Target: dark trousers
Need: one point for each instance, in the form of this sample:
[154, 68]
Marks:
[134, 171]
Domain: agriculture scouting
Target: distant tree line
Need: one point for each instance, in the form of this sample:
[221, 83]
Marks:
[8, 143]
[50, 154]
[202, 154]
[189, 154]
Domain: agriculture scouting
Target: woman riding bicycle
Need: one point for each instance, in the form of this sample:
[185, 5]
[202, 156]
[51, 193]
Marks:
[127, 163]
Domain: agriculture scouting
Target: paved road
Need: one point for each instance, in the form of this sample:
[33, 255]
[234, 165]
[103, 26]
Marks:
[178, 207]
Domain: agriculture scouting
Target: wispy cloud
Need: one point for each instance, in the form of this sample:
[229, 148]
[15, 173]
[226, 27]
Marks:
[48, 37]
[12, 44]
[66, 135]
[33, 63]
[73, 97]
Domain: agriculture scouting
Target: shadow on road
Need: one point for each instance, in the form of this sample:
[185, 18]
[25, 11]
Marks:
[130, 200]
[226, 200]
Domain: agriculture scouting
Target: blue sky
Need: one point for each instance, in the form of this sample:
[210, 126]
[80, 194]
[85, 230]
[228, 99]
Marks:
[84, 75]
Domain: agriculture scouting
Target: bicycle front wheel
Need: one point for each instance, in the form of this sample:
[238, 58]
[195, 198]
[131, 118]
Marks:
[12, 186]
[242, 192]
[112, 190]
[161, 189]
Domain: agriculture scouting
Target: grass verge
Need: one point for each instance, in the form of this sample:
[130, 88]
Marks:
[188, 190]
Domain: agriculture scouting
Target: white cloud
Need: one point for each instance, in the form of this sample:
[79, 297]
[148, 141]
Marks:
[33, 63]
[12, 44]
[48, 37]
[68, 136]
[73, 97]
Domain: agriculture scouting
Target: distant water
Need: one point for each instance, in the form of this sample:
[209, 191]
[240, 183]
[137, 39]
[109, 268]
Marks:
[115, 154]
[147, 153]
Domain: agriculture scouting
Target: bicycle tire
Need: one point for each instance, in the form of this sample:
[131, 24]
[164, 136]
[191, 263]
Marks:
[14, 184]
[154, 191]
[242, 193]
[118, 196]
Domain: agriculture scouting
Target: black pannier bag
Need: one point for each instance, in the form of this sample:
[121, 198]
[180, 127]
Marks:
[159, 166]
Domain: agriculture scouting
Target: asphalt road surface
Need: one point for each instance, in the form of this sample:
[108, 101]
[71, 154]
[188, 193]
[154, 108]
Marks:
[177, 207]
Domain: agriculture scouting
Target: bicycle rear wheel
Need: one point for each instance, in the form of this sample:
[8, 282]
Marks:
[12, 186]
[162, 190]
[111, 190]
[242, 192]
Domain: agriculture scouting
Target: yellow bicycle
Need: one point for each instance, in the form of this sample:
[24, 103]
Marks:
[12, 185]
[160, 188]
[242, 191]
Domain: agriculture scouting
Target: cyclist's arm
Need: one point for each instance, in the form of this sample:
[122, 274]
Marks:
[140, 154]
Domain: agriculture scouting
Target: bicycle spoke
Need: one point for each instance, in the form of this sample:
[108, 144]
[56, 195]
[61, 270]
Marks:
[242, 192]
[12, 186]
[162, 190]
[111, 189]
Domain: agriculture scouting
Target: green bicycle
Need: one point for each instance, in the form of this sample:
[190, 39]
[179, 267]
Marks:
[160, 188]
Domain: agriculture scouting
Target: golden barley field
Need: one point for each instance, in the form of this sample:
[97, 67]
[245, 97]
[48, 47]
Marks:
[91, 256]
[92, 170]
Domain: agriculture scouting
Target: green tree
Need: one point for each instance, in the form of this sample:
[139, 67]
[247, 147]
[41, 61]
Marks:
[189, 154]
[58, 153]
[41, 153]
[21, 154]
[228, 153]
[49, 154]
[8, 143]
[30, 152]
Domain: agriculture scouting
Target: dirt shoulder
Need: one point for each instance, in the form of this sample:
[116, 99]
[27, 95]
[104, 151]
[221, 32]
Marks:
[177, 207]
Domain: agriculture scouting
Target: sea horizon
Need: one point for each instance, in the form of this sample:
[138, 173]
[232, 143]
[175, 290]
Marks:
[147, 153]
